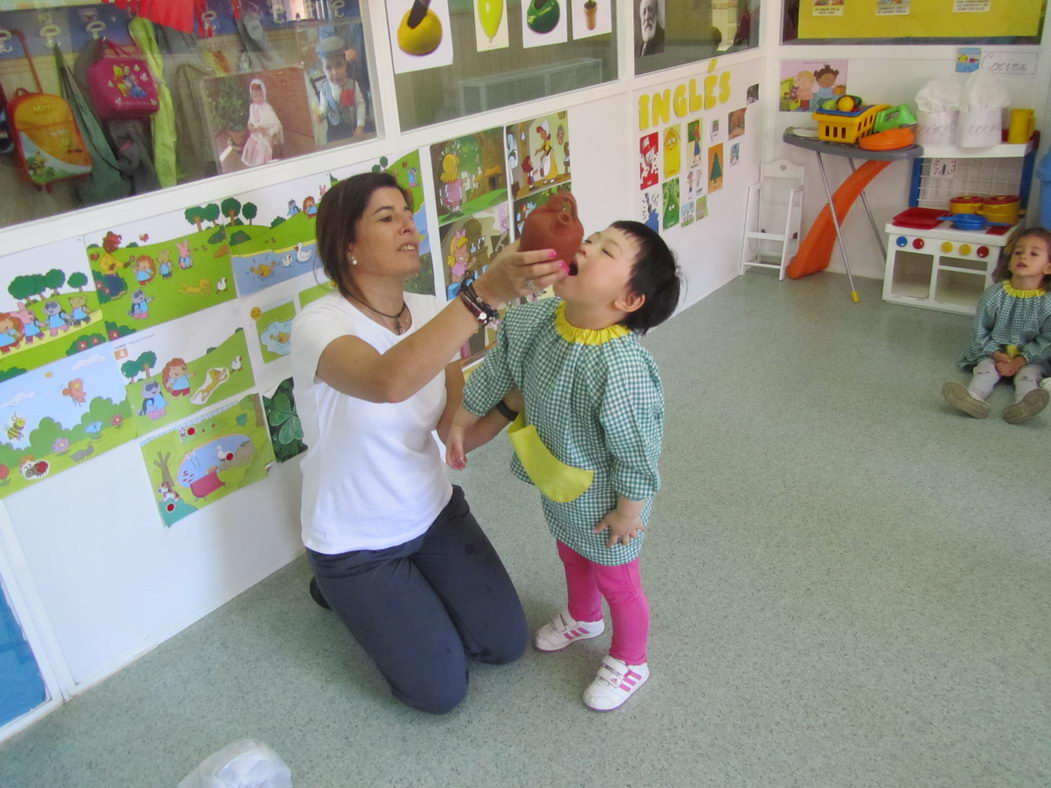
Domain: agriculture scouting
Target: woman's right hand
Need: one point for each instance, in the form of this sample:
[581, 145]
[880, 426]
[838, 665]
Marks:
[514, 274]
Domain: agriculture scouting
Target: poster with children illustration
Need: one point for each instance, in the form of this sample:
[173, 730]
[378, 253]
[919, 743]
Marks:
[468, 174]
[207, 458]
[176, 371]
[806, 83]
[48, 308]
[59, 416]
[146, 275]
[468, 245]
[258, 117]
[537, 154]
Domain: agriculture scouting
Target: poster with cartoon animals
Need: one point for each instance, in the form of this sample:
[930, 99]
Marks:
[468, 174]
[205, 459]
[60, 415]
[48, 308]
[152, 271]
[182, 368]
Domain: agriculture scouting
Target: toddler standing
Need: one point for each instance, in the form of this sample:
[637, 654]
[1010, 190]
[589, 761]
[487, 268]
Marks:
[589, 436]
[265, 129]
[1012, 334]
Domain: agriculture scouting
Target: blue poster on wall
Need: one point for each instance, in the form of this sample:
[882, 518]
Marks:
[21, 685]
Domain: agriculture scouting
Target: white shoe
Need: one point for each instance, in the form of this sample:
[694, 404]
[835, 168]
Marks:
[615, 683]
[1046, 384]
[564, 629]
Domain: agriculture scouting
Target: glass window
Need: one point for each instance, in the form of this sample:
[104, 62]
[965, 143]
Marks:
[137, 103]
[515, 63]
[675, 32]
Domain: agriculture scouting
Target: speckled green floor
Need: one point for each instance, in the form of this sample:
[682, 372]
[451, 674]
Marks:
[851, 585]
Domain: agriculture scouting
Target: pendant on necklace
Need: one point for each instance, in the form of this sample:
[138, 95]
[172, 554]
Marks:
[397, 324]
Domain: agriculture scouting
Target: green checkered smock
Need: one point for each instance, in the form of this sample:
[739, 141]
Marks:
[1007, 316]
[596, 400]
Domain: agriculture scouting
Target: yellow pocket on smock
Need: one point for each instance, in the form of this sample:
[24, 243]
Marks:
[556, 480]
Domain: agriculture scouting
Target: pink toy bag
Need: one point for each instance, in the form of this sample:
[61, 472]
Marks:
[121, 85]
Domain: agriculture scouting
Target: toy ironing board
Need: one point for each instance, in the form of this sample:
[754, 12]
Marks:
[815, 251]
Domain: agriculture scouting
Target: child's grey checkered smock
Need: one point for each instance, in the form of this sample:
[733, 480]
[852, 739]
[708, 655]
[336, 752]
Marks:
[596, 400]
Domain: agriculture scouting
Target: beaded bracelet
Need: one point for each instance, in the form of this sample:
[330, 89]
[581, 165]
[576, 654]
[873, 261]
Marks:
[483, 312]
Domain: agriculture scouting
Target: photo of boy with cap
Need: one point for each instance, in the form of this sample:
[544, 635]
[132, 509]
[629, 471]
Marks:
[341, 98]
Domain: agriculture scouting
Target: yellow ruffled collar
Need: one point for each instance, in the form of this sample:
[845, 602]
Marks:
[585, 336]
[1011, 291]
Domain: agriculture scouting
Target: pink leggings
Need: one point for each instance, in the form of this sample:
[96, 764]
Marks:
[586, 584]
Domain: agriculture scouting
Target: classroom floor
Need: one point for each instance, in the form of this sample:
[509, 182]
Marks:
[850, 586]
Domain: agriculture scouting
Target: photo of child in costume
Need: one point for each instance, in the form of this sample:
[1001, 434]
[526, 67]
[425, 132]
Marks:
[264, 127]
[341, 99]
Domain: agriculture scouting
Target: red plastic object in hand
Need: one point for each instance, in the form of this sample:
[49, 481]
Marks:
[554, 225]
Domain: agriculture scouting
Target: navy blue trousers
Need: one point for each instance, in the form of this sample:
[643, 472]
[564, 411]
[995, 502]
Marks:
[423, 609]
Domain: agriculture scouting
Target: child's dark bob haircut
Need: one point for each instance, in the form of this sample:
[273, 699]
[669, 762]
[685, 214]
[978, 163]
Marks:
[655, 275]
[337, 219]
[1002, 272]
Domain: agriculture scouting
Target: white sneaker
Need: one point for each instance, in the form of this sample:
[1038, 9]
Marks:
[1046, 384]
[565, 629]
[615, 683]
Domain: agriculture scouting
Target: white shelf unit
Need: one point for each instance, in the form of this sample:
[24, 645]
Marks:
[943, 268]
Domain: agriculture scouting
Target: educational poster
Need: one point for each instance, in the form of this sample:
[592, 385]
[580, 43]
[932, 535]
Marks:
[207, 458]
[286, 433]
[468, 174]
[420, 34]
[490, 25]
[735, 154]
[407, 172]
[173, 374]
[715, 168]
[315, 292]
[259, 117]
[650, 204]
[538, 154]
[544, 22]
[278, 242]
[670, 197]
[701, 208]
[592, 17]
[695, 143]
[61, 415]
[48, 309]
[827, 7]
[695, 184]
[273, 325]
[147, 273]
[687, 213]
[735, 123]
[892, 7]
[805, 83]
[672, 151]
[716, 134]
[649, 170]
[468, 245]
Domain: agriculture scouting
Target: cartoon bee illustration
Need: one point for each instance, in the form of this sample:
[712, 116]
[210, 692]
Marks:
[15, 427]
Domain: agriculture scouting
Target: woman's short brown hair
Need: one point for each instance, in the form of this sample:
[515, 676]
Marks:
[337, 219]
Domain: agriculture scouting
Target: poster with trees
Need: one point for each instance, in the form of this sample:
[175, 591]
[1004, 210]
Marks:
[48, 308]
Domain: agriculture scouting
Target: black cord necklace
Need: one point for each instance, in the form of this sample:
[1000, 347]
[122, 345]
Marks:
[396, 318]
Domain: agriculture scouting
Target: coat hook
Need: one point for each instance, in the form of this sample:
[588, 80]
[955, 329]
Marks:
[49, 33]
[95, 28]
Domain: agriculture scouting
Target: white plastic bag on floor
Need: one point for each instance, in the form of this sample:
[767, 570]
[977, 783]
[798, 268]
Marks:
[240, 764]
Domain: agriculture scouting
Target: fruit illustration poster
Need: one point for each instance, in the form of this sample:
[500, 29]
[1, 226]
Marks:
[468, 174]
[149, 272]
[49, 308]
[591, 17]
[544, 22]
[490, 24]
[538, 154]
[207, 458]
[178, 370]
[59, 416]
[286, 433]
[420, 34]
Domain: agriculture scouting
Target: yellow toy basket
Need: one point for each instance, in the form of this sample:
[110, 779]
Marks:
[847, 127]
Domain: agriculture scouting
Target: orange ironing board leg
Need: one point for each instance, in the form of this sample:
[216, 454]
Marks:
[815, 251]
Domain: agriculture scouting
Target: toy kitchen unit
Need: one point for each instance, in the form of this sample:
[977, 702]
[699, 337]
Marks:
[965, 207]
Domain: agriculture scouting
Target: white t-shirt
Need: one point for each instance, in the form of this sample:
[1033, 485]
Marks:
[372, 475]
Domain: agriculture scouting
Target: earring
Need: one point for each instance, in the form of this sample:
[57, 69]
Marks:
[353, 260]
